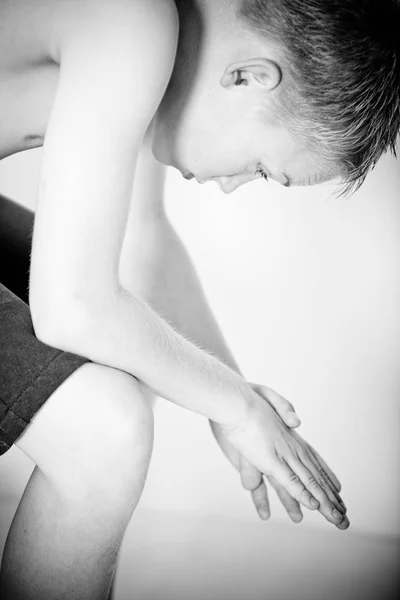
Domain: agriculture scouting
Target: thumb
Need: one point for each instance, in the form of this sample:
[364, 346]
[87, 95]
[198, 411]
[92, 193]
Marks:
[283, 407]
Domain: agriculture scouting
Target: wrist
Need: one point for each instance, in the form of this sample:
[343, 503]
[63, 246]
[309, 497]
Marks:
[239, 406]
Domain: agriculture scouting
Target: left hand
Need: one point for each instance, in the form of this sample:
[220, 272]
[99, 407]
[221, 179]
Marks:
[251, 478]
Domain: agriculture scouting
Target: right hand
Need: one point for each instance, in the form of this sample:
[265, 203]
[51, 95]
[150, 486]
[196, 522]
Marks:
[251, 478]
[283, 456]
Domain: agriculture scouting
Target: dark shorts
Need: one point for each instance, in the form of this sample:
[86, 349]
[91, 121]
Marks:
[30, 371]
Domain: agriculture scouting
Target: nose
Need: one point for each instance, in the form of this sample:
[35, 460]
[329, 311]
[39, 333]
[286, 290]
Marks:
[231, 183]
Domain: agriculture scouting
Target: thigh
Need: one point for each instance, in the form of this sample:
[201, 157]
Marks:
[30, 371]
[95, 431]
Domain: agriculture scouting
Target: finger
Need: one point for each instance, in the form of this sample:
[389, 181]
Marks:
[291, 505]
[328, 505]
[283, 407]
[325, 481]
[292, 483]
[252, 480]
[335, 481]
[250, 476]
[261, 502]
[345, 524]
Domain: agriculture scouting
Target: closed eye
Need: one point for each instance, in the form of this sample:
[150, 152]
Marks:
[260, 171]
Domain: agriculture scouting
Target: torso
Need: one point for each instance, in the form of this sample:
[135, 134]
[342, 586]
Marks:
[28, 71]
[30, 31]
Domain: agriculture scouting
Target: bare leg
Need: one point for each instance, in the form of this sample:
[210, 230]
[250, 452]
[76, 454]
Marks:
[92, 444]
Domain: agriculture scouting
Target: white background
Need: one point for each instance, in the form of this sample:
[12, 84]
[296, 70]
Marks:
[306, 288]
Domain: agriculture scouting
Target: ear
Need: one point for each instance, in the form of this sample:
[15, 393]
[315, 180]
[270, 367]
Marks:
[260, 71]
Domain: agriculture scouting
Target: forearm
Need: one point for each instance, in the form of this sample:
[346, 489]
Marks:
[169, 282]
[123, 332]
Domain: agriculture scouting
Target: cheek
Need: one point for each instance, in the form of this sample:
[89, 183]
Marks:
[233, 148]
[216, 148]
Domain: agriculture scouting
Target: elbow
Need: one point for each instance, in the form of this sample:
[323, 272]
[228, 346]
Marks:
[64, 326]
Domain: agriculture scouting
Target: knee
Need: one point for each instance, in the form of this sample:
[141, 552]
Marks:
[119, 417]
[94, 436]
[116, 450]
[118, 408]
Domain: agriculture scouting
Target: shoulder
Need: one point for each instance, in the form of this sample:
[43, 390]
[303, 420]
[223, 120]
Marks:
[128, 23]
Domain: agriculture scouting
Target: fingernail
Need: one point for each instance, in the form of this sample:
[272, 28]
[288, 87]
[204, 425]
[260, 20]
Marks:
[337, 514]
[345, 524]
[314, 503]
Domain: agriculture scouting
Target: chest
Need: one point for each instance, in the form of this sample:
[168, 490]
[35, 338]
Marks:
[26, 99]
[28, 76]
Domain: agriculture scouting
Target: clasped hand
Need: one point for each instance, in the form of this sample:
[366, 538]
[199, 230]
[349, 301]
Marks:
[265, 443]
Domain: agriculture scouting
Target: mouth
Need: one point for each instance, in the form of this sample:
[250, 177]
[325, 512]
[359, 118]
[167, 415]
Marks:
[189, 176]
[217, 180]
[206, 179]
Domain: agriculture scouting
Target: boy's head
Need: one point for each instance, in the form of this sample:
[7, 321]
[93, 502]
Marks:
[304, 90]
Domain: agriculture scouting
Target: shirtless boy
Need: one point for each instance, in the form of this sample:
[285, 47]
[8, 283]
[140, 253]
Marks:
[232, 90]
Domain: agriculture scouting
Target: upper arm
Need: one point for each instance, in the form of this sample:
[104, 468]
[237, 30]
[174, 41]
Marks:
[113, 73]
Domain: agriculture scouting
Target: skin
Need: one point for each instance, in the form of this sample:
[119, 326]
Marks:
[190, 114]
[219, 119]
[218, 122]
[202, 108]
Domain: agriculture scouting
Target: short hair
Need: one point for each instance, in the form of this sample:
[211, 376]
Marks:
[340, 76]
